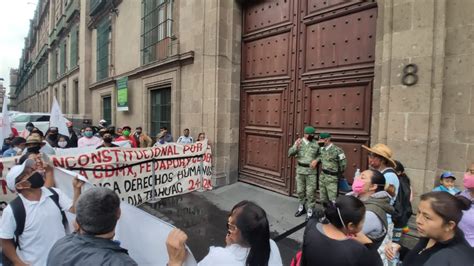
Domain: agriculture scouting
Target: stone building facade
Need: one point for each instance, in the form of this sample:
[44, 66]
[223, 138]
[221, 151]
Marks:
[183, 61]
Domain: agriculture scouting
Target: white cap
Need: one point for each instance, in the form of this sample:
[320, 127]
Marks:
[102, 121]
[16, 171]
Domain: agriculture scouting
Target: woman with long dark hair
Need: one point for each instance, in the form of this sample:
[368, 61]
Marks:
[332, 244]
[441, 242]
[248, 241]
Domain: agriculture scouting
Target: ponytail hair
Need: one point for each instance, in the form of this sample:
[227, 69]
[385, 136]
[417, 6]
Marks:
[447, 206]
[346, 209]
[253, 225]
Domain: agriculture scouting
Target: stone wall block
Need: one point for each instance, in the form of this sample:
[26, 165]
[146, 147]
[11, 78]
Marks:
[410, 99]
[402, 17]
[418, 127]
[452, 156]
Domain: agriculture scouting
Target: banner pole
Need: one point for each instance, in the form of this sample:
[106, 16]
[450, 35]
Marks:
[201, 176]
[153, 183]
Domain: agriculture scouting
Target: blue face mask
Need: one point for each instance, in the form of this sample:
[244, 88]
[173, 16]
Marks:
[88, 134]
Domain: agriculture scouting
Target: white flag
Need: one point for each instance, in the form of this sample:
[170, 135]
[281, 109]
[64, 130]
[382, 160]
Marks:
[57, 119]
[5, 122]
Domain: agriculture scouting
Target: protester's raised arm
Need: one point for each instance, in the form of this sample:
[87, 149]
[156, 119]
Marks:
[176, 246]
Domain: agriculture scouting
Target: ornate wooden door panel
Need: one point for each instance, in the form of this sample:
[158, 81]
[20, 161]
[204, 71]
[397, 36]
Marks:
[267, 94]
[304, 62]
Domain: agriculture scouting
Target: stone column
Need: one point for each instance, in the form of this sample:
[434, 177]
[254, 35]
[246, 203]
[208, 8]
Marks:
[408, 118]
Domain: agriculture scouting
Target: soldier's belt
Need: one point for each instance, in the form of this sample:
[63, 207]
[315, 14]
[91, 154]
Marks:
[303, 164]
[328, 172]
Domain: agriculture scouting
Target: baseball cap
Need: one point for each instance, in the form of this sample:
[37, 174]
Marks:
[16, 171]
[446, 175]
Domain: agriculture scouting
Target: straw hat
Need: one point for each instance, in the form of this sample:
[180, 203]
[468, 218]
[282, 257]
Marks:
[34, 139]
[383, 151]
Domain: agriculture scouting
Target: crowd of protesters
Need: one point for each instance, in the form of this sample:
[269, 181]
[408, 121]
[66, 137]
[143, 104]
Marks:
[362, 227]
[102, 136]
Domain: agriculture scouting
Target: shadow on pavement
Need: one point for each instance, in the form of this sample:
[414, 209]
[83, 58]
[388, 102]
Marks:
[205, 224]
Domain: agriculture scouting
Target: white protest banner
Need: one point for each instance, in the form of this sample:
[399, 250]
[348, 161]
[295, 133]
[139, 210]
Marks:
[57, 119]
[172, 169]
[5, 127]
[146, 243]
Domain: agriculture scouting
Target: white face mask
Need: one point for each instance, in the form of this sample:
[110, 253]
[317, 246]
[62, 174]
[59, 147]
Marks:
[62, 144]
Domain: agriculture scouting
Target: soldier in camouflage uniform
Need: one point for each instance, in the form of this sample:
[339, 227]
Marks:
[306, 151]
[333, 163]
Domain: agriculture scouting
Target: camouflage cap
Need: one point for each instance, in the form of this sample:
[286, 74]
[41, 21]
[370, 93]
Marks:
[324, 135]
[309, 130]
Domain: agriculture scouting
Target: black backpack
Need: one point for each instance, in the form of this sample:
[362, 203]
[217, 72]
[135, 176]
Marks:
[402, 205]
[19, 214]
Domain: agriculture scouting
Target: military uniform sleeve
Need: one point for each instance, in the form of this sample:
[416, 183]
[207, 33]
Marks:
[342, 160]
[292, 151]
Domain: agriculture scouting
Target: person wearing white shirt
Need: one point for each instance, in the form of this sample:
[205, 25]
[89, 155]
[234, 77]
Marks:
[42, 219]
[247, 241]
[185, 139]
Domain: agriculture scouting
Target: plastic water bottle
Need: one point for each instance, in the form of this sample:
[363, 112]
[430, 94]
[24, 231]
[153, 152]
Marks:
[357, 173]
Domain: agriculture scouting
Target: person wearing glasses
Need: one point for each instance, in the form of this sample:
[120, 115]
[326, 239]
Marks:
[247, 241]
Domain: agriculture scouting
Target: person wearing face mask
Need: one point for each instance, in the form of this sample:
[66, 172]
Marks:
[89, 140]
[34, 144]
[25, 133]
[126, 136]
[332, 243]
[467, 221]
[369, 187]
[111, 130]
[107, 142]
[307, 152]
[441, 241]
[62, 142]
[141, 138]
[18, 144]
[53, 136]
[247, 241]
[447, 183]
[35, 219]
[333, 163]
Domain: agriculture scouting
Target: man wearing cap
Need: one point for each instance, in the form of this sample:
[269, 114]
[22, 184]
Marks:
[126, 136]
[333, 164]
[447, 183]
[306, 151]
[39, 210]
[103, 124]
[380, 158]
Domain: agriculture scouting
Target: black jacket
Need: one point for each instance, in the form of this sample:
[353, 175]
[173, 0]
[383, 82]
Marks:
[454, 252]
[78, 249]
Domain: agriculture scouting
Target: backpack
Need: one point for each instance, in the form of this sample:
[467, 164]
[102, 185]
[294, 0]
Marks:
[402, 205]
[19, 214]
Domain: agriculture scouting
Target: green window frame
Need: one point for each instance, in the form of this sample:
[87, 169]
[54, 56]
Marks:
[74, 47]
[160, 110]
[62, 57]
[54, 67]
[107, 109]
[103, 36]
[157, 25]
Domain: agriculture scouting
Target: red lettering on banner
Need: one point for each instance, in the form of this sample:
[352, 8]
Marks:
[105, 156]
[138, 155]
[72, 164]
[58, 162]
[4, 186]
[96, 158]
[83, 160]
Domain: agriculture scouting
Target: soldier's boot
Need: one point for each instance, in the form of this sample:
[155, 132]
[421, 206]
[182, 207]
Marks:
[309, 214]
[301, 211]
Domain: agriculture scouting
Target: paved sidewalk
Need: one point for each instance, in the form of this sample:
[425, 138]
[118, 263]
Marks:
[203, 216]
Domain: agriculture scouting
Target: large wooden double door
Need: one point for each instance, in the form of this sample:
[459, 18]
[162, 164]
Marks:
[304, 62]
